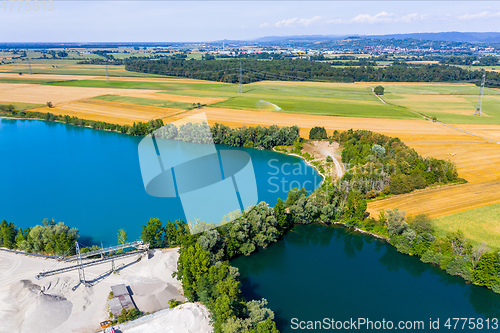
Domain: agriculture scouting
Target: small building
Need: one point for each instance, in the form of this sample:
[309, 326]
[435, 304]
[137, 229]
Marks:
[121, 300]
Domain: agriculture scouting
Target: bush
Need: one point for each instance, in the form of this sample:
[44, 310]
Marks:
[318, 133]
[128, 315]
[329, 158]
[174, 303]
[50, 105]
[379, 90]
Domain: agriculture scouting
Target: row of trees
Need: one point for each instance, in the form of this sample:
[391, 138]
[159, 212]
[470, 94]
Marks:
[266, 137]
[378, 164]
[469, 60]
[50, 237]
[255, 136]
[453, 252]
[137, 129]
[302, 70]
[237, 137]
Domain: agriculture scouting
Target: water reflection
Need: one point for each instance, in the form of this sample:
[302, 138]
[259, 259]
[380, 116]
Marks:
[321, 271]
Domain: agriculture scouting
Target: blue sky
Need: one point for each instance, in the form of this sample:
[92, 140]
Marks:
[163, 21]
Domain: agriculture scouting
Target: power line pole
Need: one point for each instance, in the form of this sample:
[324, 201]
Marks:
[106, 66]
[81, 273]
[479, 105]
[29, 62]
[240, 87]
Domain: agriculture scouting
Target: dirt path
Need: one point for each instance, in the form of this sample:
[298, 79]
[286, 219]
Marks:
[373, 91]
[322, 149]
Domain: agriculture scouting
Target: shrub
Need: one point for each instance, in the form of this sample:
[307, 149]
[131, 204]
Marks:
[379, 90]
[174, 303]
[318, 133]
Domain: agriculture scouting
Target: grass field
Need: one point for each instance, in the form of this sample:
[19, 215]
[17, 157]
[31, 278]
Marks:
[22, 106]
[144, 101]
[449, 103]
[480, 224]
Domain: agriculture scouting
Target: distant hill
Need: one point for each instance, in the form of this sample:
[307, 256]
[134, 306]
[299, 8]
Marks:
[452, 36]
[301, 38]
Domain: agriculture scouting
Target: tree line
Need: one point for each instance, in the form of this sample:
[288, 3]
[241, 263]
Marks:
[250, 137]
[453, 252]
[49, 237]
[302, 70]
[137, 129]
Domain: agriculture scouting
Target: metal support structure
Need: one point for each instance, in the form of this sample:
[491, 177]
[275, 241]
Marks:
[240, 86]
[479, 105]
[81, 272]
[29, 63]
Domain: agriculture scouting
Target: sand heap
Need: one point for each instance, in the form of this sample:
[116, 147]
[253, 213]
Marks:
[51, 305]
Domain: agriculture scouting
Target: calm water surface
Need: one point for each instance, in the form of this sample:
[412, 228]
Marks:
[322, 271]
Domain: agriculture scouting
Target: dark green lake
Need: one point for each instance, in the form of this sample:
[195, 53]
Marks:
[91, 179]
[320, 271]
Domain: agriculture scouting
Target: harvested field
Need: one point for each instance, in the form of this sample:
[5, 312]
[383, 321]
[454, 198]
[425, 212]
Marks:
[111, 112]
[44, 76]
[34, 93]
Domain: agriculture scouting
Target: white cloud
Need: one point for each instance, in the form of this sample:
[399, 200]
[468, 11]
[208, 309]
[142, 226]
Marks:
[296, 22]
[264, 25]
[384, 17]
[481, 15]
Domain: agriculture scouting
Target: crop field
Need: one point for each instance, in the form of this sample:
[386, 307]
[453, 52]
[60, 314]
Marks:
[449, 103]
[144, 101]
[41, 94]
[113, 112]
[487, 230]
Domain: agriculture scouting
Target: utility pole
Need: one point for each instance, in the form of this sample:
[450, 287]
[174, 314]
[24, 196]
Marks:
[479, 105]
[240, 87]
[29, 62]
[106, 66]
[81, 273]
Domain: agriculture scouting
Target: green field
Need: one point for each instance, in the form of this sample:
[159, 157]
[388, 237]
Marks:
[320, 106]
[144, 101]
[152, 85]
[453, 104]
[482, 224]
[23, 106]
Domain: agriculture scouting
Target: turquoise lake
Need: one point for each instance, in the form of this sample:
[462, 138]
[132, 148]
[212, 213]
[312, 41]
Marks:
[91, 179]
[320, 271]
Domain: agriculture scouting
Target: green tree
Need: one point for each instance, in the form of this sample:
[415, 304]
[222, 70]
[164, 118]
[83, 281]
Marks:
[396, 222]
[8, 232]
[379, 90]
[192, 265]
[122, 236]
[153, 233]
[281, 217]
[486, 272]
[318, 133]
[421, 223]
